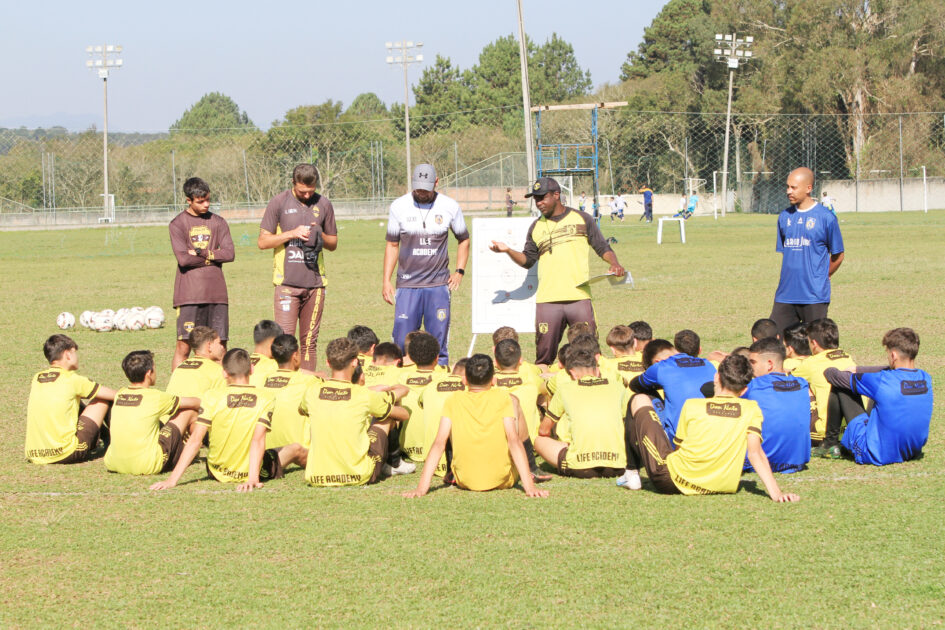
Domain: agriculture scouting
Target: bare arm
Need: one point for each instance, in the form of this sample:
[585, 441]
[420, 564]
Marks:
[759, 462]
[433, 459]
[615, 267]
[104, 393]
[835, 261]
[462, 257]
[256, 449]
[188, 402]
[330, 241]
[391, 252]
[517, 451]
[197, 431]
[501, 248]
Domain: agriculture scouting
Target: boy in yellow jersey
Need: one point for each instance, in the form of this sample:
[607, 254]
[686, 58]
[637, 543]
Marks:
[147, 425]
[349, 423]
[263, 364]
[824, 338]
[384, 368]
[485, 428]
[627, 361]
[712, 439]
[595, 406]
[587, 343]
[423, 350]
[511, 377]
[202, 372]
[366, 340]
[527, 369]
[431, 401]
[58, 429]
[796, 347]
[237, 418]
[287, 384]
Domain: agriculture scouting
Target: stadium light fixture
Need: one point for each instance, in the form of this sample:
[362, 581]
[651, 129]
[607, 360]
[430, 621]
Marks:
[105, 59]
[404, 59]
[731, 51]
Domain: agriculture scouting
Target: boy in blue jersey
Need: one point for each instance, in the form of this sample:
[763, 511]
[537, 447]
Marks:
[788, 406]
[897, 427]
[679, 372]
[811, 246]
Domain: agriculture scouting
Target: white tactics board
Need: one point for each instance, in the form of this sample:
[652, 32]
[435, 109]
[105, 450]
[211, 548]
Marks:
[503, 294]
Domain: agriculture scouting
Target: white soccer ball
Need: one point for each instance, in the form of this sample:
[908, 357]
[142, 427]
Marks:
[135, 320]
[154, 317]
[102, 321]
[65, 320]
[108, 312]
[121, 319]
[86, 318]
[136, 309]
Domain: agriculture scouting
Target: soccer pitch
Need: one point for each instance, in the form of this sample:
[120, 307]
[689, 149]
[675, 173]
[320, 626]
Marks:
[81, 546]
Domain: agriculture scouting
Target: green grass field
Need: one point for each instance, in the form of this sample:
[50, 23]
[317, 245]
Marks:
[81, 547]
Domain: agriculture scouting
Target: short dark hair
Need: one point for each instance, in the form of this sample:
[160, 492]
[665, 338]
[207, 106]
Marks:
[479, 369]
[641, 330]
[825, 332]
[283, 347]
[201, 335]
[688, 341]
[305, 174]
[236, 362]
[196, 187]
[795, 338]
[340, 352]
[580, 358]
[460, 366]
[507, 353]
[423, 349]
[905, 341]
[735, 373]
[504, 332]
[137, 364]
[586, 342]
[765, 328]
[56, 345]
[768, 345]
[266, 329]
[363, 337]
[654, 348]
[388, 350]
[620, 337]
[577, 329]
[742, 350]
[563, 353]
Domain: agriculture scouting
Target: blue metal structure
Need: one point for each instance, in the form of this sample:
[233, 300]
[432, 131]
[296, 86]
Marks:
[570, 159]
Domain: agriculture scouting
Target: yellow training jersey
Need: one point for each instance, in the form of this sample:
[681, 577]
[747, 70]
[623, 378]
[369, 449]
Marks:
[596, 407]
[194, 377]
[340, 414]
[381, 374]
[711, 442]
[263, 367]
[519, 385]
[791, 363]
[288, 425]
[232, 413]
[52, 414]
[481, 457]
[812, 369]
[627, 366]
[412, 432]
[431, 400]
[607, 371]
[135, 425]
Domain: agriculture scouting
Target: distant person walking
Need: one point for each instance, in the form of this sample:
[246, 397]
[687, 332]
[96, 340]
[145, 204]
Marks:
[508, 202]
[827, 202]
[812, 250]
[647, 204]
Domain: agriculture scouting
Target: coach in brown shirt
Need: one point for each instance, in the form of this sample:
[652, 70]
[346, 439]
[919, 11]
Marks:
[201, 242]
[298, 225]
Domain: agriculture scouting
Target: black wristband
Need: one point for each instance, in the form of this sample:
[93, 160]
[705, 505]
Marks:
[461, 272]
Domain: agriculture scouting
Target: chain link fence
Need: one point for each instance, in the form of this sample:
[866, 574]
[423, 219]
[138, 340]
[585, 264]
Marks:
[866, 163]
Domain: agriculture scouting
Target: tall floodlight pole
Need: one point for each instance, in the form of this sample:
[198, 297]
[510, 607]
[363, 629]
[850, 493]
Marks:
[731, 51]
[526, 99]
[104, 58]
[404, 59]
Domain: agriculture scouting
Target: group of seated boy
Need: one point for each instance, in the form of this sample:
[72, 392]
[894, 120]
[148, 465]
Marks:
[695, 424]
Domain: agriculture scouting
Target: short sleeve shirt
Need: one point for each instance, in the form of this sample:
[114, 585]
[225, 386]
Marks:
[481, 458]
[680, 377]
[785, 401]
[431, 401]
[806, 240]
[812, 370]
[596, 407]
[137, 416]
[232, 414]
[52, 413]
[288, 425]
[423, 233]
[284, 213]
[194, 377]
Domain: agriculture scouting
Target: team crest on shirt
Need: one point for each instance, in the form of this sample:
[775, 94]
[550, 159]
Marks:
[543, 327]
[439, 219]
[810, 223]
[441, 314]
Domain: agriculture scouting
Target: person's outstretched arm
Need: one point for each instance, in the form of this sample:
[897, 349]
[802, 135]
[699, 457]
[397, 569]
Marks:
[433, 458]
[517, 451]
[759, 462]
[256, 449]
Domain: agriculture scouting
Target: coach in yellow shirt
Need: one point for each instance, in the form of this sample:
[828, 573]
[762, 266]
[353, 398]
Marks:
[712, 438]
[560, 241]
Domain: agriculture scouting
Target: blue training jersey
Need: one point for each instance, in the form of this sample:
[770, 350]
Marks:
[898, 426]
[786, 406]
[806, 240]
[680, 377]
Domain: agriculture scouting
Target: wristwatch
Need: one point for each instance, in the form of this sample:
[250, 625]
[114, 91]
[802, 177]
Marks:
[461, 272]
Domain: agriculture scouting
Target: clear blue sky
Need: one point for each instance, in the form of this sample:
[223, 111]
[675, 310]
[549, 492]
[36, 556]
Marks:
[268, 56]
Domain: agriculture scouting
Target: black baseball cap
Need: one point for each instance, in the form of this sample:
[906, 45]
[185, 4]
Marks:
[543, 186]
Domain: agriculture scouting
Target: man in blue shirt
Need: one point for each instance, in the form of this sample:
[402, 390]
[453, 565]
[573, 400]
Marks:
[787, 405]
[679, 374]
[647, 204]
[897, 427]
[812, 249]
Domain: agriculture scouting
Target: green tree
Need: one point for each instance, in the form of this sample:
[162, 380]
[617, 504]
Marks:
[213, 111]
[367, 106]
[555, 74]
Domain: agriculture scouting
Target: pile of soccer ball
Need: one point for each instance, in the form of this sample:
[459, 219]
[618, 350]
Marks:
[134, 318]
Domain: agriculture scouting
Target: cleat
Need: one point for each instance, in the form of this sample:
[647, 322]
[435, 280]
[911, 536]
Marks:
[404, 468]
[630, 480]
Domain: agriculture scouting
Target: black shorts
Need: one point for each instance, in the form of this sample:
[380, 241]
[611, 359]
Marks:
[216, 316]
[271, 466]
[86, 432]
[377, 451]
[171, 442]
[584, 473]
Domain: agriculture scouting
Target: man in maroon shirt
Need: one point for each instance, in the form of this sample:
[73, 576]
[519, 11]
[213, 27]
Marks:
[298, 225]
[201, 242]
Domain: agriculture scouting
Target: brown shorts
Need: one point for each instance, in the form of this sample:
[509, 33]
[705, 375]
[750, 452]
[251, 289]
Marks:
[271, 466]
[551, 320]
[216, 316]
[584, 473]
[651, 446]
[86, 433]
[171, 442]
[377, 451]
